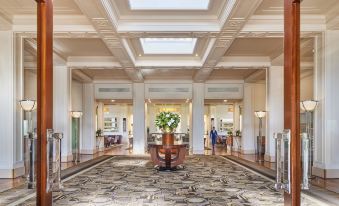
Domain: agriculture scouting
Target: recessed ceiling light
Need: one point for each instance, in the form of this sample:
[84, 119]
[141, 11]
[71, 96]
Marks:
[225, 100]
[140, 55]
[196, 55]
[112, 100]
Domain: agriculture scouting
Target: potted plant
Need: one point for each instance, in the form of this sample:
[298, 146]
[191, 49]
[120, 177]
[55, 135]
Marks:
[99, 132]
[237, 133]
[167, 122]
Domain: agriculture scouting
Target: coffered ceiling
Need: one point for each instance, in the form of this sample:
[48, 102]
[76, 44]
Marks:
[100, 40]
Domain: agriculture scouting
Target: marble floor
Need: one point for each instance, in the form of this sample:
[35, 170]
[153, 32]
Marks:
[205, 180]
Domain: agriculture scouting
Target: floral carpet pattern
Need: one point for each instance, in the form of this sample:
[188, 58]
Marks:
[205, 180]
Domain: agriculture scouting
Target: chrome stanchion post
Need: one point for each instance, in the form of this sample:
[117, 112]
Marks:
[49, 160]
[305, 147]
[58, 137]
[31, 176]
[283, 161]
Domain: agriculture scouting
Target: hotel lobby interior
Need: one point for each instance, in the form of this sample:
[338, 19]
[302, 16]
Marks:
[158, 102]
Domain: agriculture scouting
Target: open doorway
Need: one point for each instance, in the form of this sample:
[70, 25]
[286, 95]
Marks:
[114, 126]
[177, 106]
[225, 117]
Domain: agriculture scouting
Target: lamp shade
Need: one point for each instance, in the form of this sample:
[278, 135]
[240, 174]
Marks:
[76, 114]
[28, 105]
[308, 105]
[260, 114]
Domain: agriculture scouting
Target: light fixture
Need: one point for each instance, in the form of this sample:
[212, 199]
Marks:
[76, 114]
[225, 100]
[308, 105]
[196, 55]
[112, 100]
[260, 114]
[139, 55]
[28, 105]
[260, 139]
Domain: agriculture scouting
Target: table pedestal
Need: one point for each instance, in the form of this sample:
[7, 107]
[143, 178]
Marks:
[174, 155]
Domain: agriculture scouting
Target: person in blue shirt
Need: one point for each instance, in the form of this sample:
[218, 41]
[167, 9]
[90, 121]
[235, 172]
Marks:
[213, 136]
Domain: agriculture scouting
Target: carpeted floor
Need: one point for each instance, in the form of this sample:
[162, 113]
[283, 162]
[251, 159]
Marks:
[206, 180]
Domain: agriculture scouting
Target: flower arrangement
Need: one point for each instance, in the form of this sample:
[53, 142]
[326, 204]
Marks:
[167, 121]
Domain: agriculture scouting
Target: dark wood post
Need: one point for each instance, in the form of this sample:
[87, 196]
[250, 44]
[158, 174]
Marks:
[292, 94]
[45, 94]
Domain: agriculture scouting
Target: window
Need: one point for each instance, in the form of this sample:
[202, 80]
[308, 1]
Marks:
[168, 45]
[169, 4]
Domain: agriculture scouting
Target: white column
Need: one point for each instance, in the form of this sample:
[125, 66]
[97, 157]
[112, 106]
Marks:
[236, 117]
[101, 115]
[139, 131]
[198, 118]
[88, 140]
[254, 100]
[248, 133]
[11, 165]
[327, 136]
[61, 109]
[275, 108]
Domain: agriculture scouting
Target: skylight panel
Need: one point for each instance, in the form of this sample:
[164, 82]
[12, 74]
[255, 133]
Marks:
[168, 45]
[169, 4]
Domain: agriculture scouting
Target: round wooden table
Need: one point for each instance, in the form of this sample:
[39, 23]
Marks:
[174, 155]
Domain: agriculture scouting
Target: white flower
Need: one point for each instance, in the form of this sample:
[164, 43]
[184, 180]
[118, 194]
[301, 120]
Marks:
[169, 123]
[172, 120]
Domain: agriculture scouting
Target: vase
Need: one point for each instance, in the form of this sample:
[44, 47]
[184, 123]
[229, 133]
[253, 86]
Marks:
[167, 138]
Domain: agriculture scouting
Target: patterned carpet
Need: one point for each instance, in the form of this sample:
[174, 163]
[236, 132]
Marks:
[205, 180]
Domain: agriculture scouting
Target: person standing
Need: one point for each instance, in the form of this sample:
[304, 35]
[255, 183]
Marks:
[213, 136]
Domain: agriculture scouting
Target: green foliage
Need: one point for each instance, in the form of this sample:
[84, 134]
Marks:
[167, 121]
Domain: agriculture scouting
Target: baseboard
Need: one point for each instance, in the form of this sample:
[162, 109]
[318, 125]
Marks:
[67, 158]
[12, 173]
[247, 151]
[269, 158]
[325, 173]
[198, 152]
[88, 151]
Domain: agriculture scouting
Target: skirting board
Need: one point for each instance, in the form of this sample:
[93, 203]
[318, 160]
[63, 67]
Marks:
[325, 173]
[247, 151]
[88, 151]
[198, 152]
[269, 158]
[12, 173]
[67, 158]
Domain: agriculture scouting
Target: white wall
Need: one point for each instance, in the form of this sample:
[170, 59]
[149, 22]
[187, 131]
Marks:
[76, 94]
[254, 100]
[327, 114]
[306, 88]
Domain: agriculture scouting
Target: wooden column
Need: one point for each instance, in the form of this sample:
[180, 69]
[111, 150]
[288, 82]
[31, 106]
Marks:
[45, 94]
[292, 94]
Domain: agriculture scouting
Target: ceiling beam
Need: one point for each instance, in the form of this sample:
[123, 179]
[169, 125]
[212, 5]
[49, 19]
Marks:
[80, 75]
[255, 76]
[244, 62]
[58, 59]
[134, 74]
[234, 22]
[93, 62]
[5, 24]
[104, 22]
[202, 74]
